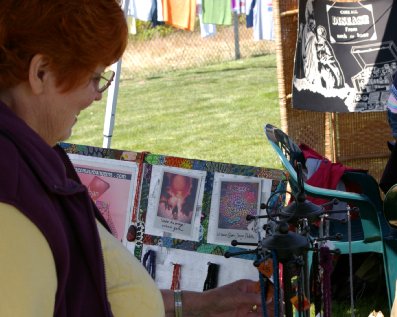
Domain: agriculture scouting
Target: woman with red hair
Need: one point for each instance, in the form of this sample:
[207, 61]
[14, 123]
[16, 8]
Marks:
[55, 245]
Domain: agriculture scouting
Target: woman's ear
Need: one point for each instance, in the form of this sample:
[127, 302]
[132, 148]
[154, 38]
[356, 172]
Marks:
[37, 73]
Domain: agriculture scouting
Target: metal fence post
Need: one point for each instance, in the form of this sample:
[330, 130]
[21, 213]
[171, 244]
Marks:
[237, 54]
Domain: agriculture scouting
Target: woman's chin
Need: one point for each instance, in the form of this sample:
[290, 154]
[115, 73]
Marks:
[66, 136]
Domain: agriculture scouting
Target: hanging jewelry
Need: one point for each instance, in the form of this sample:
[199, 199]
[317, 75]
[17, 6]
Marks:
[176, 276]
[149, 262]
[211, 280]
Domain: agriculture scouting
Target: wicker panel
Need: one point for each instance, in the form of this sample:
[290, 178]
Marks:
[361, 135]
[303, 126]
[361, 141]
[374, 166]
[355, 139]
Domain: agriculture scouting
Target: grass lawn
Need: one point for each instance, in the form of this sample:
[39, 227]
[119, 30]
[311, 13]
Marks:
[214, 113]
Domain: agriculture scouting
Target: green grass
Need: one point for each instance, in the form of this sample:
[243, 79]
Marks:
[214, 113]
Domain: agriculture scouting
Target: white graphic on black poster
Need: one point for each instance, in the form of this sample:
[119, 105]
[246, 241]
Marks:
[345, 57]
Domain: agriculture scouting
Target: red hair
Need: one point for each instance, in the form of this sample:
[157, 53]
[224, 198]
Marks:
[76, 36]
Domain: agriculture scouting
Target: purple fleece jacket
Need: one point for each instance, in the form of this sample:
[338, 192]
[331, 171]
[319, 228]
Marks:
[40, 181]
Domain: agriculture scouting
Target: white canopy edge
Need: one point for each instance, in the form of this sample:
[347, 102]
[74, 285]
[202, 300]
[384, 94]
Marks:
[113, 91]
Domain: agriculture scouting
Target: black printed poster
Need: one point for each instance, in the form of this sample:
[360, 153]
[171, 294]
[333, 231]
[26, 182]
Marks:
[346, 55]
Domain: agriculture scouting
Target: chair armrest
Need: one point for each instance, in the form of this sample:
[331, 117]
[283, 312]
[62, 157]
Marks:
[367, 209]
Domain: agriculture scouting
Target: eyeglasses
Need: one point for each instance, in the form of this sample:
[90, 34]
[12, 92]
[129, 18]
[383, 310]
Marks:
[103, 81]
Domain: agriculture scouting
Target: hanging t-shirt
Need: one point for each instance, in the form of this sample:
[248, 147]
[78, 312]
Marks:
[132, 26]
[238, 6]
[250, 5]
[206, 29]
[263, 20]
[346, 55]
[142, 9]
[217, 12]
[159, 4]
[157, 17]
[180, 13]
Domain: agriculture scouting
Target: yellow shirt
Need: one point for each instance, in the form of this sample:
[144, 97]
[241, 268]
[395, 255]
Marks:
[28, 279]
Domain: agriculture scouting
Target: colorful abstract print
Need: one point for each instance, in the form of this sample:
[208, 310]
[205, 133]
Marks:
[237, 200]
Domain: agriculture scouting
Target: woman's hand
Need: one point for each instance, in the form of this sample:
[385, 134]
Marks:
[241, 298]
[238, 299]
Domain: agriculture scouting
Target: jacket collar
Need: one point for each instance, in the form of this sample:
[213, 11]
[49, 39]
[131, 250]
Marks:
[42, 158]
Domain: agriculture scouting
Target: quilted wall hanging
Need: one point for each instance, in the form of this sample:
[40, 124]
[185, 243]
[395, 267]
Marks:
[185, 211]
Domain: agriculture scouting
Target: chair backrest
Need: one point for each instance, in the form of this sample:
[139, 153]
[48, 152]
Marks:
[390, 204]
[370, 212]
[289, 152]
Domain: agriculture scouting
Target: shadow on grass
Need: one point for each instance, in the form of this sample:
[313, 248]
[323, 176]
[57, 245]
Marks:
[369, 286]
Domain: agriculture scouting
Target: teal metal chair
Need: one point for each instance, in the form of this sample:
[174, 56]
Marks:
[371, 232]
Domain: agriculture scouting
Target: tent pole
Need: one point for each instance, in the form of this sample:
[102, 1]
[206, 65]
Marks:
[113, 92]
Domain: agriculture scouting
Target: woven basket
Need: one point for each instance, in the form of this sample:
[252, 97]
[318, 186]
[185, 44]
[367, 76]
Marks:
[354, 139]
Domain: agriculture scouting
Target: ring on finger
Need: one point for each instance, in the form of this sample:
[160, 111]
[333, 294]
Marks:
[254, 309]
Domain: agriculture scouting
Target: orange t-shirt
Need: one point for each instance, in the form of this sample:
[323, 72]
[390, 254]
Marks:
[180, 13]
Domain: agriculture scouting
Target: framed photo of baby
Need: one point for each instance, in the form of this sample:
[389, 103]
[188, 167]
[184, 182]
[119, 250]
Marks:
[174, 205]
[177, 197]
